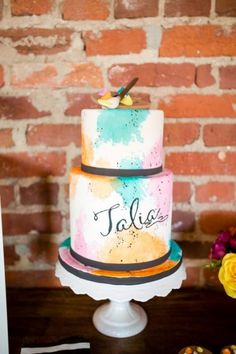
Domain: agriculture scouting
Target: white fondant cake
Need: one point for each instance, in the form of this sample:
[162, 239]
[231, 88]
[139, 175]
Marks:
[121, 200]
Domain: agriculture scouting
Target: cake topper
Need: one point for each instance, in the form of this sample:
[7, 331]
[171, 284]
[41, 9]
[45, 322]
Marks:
[109, 100]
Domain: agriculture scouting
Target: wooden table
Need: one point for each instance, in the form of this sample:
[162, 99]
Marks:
[187, 316]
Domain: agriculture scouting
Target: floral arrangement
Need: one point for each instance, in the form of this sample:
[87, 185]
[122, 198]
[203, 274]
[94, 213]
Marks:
[223, 257]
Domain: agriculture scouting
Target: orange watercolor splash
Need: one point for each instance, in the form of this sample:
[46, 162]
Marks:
[100, 186]
[132, 246]
[87, 150]
[136, 273]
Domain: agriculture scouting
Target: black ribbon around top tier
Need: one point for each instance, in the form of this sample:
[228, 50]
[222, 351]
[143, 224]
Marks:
[119, 266]
[117, 172]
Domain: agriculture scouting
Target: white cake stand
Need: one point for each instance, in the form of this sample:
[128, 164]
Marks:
[119, 317]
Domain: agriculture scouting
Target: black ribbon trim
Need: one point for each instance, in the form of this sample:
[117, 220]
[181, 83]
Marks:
[120, 172]
[119, 281]
[118, 267]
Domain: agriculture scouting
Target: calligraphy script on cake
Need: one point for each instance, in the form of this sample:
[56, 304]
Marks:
[136, 218]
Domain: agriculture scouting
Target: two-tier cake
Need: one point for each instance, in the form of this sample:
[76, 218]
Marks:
[121, 201]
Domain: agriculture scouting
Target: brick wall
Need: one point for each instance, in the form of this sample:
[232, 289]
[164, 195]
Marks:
[54, 54]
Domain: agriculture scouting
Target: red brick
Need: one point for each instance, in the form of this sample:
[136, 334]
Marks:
[77, 102]
[26, 223]
[176, 8]
[141, 98]
[135, 8]
[86, 10]
[10, 255]
[43, 251]
[195, 249]
[181, 192]
[6, 139]
[193, 277]
[7, 195]
[222, 192]
[198, 106]
[204, 77]
[198, 41]
[25, 164]
[181, 134]
[1, 9]
[117, 41]
[228, 77]
[219, 134]
[41, 75]
[19, 108]
[151, 74]
[32, 279]
[39, 193]
[34, 75]
[29, 7]
[1, 76]
[53, 134]
[83, 75]
[213, 221]
[37, 40]
[183, 221]
[226, 7]
[197, 163]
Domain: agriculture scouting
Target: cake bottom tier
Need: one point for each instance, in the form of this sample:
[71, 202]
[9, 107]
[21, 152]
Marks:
[120, 223]
[131, 277]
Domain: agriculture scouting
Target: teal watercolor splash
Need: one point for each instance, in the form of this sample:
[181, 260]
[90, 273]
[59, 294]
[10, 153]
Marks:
[66, 243]
[120, 125]
[130, 188]
[175, 252]
[135, 163]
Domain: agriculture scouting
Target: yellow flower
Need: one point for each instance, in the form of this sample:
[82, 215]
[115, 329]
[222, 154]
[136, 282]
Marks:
[227, 274]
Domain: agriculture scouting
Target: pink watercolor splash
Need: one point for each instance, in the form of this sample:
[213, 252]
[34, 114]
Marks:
[160, 188]
[154, 158]
[79, 244]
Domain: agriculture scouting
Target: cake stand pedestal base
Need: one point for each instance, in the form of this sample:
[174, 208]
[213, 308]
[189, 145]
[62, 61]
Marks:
[120, 319]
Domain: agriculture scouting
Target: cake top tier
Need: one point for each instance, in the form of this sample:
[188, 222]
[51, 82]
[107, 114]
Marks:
[122, 141]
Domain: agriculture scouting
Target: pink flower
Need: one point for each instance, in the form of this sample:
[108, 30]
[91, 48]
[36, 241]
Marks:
[224, 237]
[232, 243]
[218, 250]
[224, 243]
